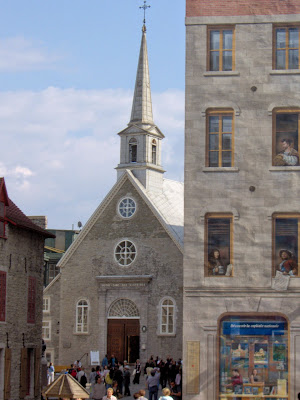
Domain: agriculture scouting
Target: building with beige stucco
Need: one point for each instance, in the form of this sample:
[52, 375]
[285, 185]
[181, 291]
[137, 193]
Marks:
[242, 214]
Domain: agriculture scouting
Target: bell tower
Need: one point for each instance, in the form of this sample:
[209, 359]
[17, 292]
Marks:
[141, 141]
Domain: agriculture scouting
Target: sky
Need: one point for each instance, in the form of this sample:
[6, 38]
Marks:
[67, 75]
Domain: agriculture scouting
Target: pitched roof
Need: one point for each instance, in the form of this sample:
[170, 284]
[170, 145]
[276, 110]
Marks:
[169, 204]
[65, 386]
[16, 217]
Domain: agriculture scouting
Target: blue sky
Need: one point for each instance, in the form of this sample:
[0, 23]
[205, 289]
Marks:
[67, 73]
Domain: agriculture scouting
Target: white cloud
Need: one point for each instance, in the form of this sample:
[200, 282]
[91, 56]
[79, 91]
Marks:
[20, 54]
[61, 147]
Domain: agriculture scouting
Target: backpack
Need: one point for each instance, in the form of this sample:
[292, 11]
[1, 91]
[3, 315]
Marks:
[73, 373]
[83, 380]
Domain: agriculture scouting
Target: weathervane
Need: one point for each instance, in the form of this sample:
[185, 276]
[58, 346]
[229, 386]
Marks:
[144, 7]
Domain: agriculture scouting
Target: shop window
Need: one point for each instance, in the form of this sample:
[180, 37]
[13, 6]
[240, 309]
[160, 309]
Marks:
[221, 48]
[31, 300]
[82, 310]
[218, 245]
[286, 234]
[167, 316]
[286, 47]
[286, 124]
[154, 154]
[219, 138]
[133, 150]
[253, 356]
[2, 295]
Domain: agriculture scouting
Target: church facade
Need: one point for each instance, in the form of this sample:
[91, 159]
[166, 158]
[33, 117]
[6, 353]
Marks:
[242, 176]
[119, 290]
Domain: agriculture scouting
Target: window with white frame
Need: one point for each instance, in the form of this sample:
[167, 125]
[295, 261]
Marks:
[125, 252]
[167, 316]
[46, 304]
[46, 332]
[127, 207]
[82, 309]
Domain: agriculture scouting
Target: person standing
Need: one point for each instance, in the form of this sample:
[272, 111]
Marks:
[138, 369]
[126, 381]
[98, 389]
[152, 384]
[104, 361]
[50, 373]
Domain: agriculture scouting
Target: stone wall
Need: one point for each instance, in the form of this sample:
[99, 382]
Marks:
[21, 256]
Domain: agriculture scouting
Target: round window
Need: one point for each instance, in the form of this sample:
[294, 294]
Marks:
[127, 207]
[125, 252]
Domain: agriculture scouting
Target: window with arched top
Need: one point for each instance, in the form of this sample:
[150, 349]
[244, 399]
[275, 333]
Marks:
[82, 309]
[123, 308]
[154, 152]
[132, 150]
[167, 317]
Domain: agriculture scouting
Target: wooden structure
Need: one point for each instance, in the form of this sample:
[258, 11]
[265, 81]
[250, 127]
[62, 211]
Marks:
[66, 387]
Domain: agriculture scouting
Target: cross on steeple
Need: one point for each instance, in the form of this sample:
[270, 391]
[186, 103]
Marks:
[144, 7]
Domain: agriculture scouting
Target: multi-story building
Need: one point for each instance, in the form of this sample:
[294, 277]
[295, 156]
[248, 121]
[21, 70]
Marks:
[242, 210]
[119, 289]
[21, 291]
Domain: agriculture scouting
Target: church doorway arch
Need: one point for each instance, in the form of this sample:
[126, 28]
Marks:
[123, 330]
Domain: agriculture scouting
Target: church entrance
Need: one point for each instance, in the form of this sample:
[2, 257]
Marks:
[123, 331]
[123, 339]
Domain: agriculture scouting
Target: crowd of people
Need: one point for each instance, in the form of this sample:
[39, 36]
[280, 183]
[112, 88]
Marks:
[112, 379]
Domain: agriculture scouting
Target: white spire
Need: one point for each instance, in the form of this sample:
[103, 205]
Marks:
[142, 104]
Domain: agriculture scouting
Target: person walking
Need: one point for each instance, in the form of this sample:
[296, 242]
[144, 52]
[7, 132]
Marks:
[50, 373]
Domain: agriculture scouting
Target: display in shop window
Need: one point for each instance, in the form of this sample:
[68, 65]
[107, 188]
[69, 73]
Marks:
[253, 355]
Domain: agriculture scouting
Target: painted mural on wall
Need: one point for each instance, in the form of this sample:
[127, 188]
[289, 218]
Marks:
[286, 140]
[219, 246]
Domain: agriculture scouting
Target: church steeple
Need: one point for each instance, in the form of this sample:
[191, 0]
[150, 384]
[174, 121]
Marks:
[142, 104]
[141, 141]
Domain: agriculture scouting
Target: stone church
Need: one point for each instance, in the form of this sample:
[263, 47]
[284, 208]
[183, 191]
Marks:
[119, 290]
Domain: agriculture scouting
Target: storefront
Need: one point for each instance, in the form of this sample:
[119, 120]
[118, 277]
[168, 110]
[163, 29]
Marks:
[253, 356]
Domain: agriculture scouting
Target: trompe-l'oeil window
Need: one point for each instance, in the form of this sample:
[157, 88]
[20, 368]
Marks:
[221, 49]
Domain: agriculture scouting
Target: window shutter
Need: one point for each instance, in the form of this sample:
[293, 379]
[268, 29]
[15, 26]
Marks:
[7, 369]
[23, 373]
[2, 295]
[37, 372]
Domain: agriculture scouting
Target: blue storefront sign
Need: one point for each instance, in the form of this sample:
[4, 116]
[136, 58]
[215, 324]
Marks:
[253, 328]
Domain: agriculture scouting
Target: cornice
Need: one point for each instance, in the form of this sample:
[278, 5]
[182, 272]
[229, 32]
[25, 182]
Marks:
[239, 292]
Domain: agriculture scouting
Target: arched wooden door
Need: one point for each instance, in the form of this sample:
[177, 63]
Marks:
[123, 331]
[123, 339]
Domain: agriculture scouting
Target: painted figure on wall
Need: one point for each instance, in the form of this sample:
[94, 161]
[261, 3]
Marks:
[288, 156]
[217, 266]
[288, 265]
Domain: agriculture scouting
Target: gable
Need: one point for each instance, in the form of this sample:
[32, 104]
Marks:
[107, 223]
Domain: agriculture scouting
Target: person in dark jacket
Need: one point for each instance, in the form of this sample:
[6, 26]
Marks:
[126, 381]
